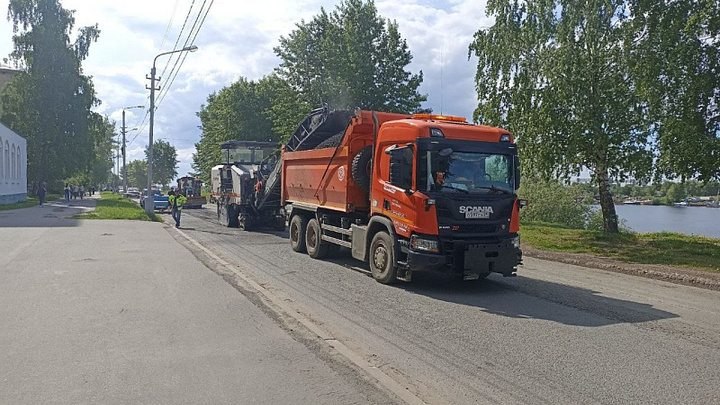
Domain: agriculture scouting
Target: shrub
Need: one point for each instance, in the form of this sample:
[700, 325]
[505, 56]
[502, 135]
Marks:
[595, 222]
[552, 202]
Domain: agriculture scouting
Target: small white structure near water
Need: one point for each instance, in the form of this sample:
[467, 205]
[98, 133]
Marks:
[13, 167]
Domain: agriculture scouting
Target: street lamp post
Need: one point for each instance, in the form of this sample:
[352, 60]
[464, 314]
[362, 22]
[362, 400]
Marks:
[124, 132]
[149, 208]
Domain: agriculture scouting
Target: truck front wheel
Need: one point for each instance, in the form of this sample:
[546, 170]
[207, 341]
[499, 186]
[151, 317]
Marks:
[382, 260]
[316, 247]
[298, 227]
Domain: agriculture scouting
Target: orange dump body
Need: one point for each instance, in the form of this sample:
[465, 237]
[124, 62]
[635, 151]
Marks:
[321, 177]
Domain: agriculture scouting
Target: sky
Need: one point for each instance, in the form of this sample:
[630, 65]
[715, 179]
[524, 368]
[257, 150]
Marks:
[236, 40]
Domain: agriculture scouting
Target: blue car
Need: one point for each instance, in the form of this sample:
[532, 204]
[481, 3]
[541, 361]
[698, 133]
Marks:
[161, 201]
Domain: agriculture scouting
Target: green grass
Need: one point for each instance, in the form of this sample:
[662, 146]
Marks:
[666, 248]
[115, 206]
[30, 202]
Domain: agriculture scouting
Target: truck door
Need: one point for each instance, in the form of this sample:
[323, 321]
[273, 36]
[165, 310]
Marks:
[396, 182]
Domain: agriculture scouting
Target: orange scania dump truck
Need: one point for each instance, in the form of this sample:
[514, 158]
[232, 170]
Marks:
[405, 193]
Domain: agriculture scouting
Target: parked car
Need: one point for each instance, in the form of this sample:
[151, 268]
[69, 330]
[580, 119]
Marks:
[133, 192]
[161, 201]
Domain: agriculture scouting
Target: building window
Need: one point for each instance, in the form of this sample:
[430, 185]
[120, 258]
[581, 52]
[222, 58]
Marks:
[19, 166]
[12, 160]
[7, 160]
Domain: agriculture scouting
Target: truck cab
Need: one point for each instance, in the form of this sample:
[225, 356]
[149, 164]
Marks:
[448, 188]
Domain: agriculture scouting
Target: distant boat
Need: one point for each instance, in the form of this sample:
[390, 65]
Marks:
[637, 202]
[681, 204]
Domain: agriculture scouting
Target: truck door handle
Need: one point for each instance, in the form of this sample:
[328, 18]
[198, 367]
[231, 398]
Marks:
[386, 204]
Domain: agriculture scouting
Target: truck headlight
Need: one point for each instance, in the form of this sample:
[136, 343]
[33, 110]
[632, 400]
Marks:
[424, 244]
[515, 242]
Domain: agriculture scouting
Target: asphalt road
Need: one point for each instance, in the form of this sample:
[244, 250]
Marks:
[556, 334]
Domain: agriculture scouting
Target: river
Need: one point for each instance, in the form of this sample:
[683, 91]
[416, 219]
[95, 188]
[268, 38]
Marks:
[657, 218]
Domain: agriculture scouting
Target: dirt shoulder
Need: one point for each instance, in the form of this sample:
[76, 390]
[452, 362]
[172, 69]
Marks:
[678, 275]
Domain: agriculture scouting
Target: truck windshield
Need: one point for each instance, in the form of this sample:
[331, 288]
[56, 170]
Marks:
[449, 171]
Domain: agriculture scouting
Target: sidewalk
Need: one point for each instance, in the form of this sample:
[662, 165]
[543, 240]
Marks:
[118, 312]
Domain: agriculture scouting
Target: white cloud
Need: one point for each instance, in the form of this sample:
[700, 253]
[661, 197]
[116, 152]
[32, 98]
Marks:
[237, 39]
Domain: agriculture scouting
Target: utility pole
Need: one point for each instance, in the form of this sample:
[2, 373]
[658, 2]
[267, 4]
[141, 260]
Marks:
[124, 154]
[117, 166]
[150, 201]
[124, 172]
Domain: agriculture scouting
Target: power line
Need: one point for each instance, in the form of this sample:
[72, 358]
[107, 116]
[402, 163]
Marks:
[177, 40]
[172, 80]
[142, 124]
[175, 67]
[167, 29]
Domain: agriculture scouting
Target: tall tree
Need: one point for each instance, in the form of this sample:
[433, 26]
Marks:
[236, 112]
[556, 74]
[350, 58]
[137, 173]
[49, 102]
[165, 162]
[675, 55]
[102, 132]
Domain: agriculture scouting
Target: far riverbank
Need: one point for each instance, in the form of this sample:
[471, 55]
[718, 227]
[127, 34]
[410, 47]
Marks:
[701, 221]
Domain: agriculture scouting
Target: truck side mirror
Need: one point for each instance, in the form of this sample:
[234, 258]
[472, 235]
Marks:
[517, 172]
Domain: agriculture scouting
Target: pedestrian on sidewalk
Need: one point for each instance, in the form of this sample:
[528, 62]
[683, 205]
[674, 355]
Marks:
[66, 190]
[41, 193]
[82, 192]
[176, 200]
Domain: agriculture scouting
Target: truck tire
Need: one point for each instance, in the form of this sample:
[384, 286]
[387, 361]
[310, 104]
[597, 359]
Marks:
[361, 168]
[381, 258]
[297, 229]
[332, 142]
[316, 247]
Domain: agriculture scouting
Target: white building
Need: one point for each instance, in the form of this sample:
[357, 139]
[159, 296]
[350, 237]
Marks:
[13, 166]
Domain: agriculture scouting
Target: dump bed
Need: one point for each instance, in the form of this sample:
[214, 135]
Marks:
[323, 177]
[307, 178]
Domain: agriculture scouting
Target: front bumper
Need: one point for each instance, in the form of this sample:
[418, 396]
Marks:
[469, 258]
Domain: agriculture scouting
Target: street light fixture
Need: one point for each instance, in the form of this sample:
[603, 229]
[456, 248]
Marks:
[149, 208]
[124, 132]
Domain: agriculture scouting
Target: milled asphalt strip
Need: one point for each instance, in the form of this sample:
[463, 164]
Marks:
[386, 381]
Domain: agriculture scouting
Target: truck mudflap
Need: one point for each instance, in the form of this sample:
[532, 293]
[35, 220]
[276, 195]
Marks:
[471, 260]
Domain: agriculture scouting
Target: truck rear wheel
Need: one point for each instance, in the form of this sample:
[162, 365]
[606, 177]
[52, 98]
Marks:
[382, 260]
[316, 247]
[298, 227]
